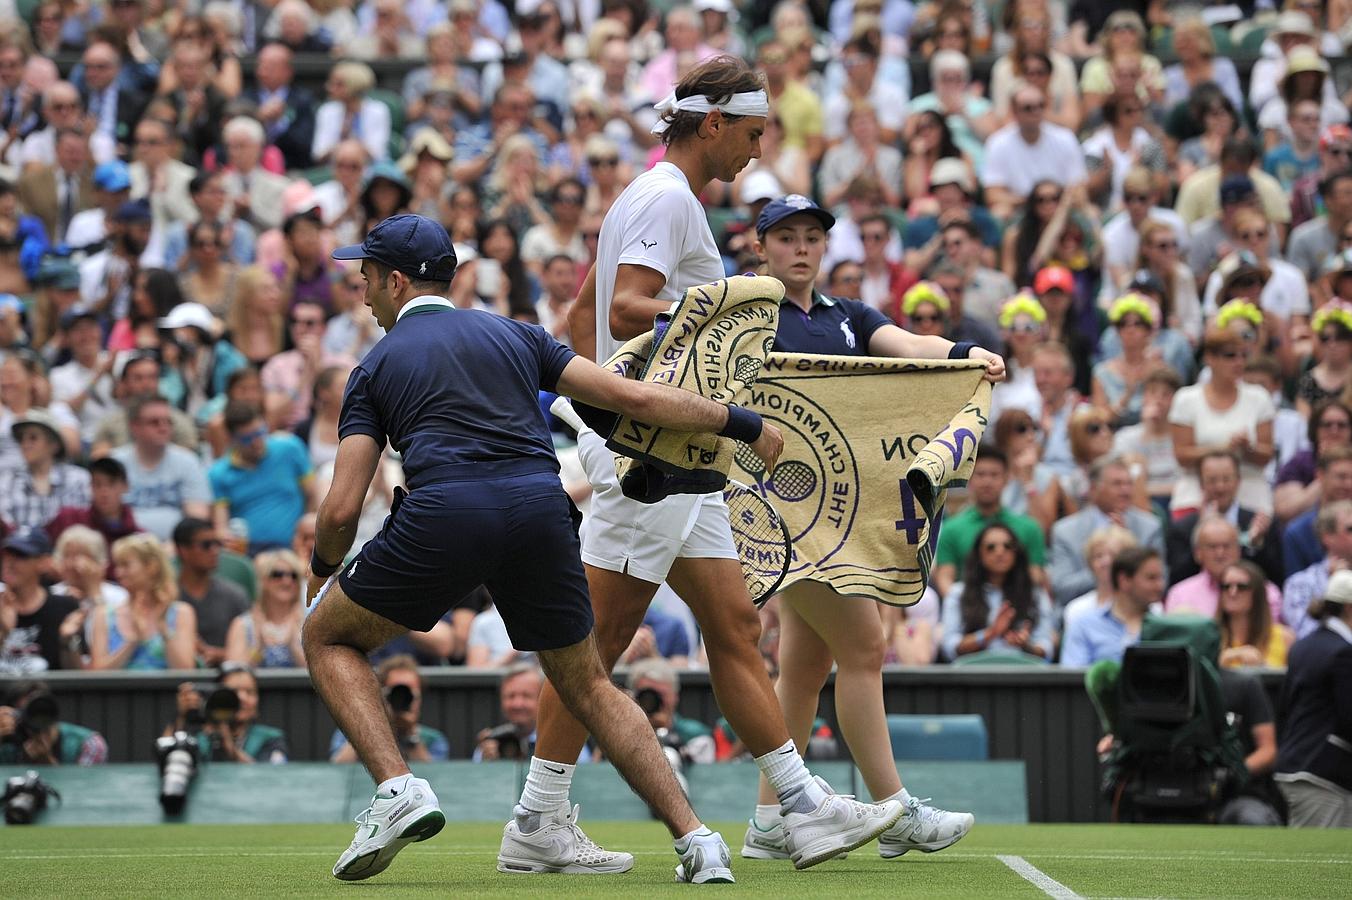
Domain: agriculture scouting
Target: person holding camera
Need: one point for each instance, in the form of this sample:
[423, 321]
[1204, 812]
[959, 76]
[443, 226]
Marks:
[401, 685]
[224, 718]
[519, 700]
[32, 733]
[656, 687]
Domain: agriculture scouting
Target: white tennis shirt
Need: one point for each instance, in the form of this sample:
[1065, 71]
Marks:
[656, 222]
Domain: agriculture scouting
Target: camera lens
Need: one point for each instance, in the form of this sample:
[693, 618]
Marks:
[178, 772]
[20, 808]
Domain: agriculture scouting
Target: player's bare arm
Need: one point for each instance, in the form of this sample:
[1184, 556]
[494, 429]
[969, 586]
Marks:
[634, 303]
[660, 404]
[336, 524]
[901, 344]
[582, 317]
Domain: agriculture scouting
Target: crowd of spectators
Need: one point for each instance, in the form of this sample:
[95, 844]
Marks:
[1145, 206]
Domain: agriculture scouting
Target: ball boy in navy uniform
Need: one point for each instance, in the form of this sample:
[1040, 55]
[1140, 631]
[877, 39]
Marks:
[819, 627]
[455, 392]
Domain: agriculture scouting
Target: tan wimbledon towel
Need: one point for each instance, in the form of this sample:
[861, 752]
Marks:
[714, 345]
[870, 448]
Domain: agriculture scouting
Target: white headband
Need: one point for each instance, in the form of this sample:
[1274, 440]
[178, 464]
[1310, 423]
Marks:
[749, 103]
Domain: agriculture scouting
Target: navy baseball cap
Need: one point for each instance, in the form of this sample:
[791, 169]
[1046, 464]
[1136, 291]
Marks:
[777, 211]
[415, 245]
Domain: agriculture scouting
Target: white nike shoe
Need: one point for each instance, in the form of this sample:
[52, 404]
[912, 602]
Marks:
[768, 842]
[924, 828]
[387, 826]
[840, 824]
[557, 846]
[705, 861]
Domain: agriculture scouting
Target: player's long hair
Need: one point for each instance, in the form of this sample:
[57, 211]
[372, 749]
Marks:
[718, 79]
[1017, 589]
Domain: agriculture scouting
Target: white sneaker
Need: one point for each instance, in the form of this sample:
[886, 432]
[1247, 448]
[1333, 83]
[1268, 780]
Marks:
[768, 842]
[705, 861]
[840, 824]
[387, 826]
[924, 828]
[557, 846]
[765, 842]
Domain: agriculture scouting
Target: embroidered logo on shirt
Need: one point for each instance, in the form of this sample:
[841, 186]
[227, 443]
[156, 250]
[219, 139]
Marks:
[647, 245]
[849, 334]
[352, 572]
[422, 270]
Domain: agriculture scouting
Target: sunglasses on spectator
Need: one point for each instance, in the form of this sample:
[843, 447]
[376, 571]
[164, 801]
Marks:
[1094, 428]
[569, 199]
[1338, 151]
[307, 321]
[1025, 328]
[58, 107]
[991, 546]
[1025, 427]
[246, 437]
[1131, 322]
[923, 319]
[603, 162]
[208, 544]
[1036, 72]
[1329, 337]
[1252, 235]
[1231, 586]
[1032, 107]
[1164, 245]
[288, 574]
[1136, 198]
[1047, 198]
[850, 279]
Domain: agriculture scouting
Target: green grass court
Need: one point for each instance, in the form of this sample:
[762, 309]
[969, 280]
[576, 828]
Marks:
[294, 861]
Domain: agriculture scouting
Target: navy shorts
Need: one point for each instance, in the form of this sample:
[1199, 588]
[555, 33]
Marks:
[515, 536]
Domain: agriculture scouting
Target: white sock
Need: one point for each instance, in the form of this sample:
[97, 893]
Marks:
[683, 842]
[392, 786]
[767, 814]
[547, 785]
[784, 769]
[903, 795]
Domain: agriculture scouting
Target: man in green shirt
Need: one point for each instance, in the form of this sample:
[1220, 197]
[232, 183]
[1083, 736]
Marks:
[958, 533]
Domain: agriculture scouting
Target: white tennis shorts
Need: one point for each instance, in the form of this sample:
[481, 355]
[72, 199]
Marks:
[644, 539]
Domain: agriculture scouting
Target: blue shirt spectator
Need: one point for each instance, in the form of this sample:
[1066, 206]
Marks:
[264, 479]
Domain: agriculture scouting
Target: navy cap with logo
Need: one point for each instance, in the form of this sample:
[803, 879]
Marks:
[778, 210]
[415, 245]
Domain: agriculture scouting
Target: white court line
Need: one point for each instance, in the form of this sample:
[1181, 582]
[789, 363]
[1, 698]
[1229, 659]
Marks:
[1038, 878]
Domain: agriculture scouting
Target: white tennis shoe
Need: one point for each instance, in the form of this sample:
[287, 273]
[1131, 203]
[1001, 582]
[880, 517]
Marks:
[557, 846]
[387, 826]
[705, 860]
[839, 824]
[768, 842]
[924, 828]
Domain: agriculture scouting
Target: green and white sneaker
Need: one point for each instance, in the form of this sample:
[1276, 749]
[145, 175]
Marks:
[705, 860]
[924, 828]
[395, 819]
[768, 841]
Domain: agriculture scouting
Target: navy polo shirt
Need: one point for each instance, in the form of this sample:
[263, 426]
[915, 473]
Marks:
[832, 326]
[454, 391]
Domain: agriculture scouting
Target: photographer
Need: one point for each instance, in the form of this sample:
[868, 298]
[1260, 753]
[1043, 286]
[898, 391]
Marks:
[31, 733]
[225, 720]
[402, 687]
[656, 687]
[519, 700]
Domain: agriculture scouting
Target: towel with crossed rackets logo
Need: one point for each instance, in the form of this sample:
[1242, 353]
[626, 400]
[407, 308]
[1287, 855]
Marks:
[713, 342]
[871, 447]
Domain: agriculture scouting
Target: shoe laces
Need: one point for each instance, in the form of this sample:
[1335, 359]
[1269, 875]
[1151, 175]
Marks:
[926, 813]
[578, 834]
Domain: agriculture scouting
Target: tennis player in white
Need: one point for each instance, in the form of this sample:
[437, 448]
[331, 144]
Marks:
[655, 243]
